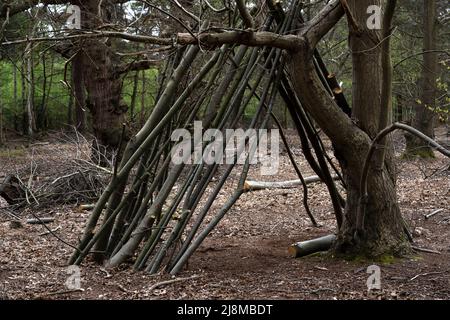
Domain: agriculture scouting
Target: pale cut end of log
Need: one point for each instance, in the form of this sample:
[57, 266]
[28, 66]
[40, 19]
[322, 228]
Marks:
[293, 252]
[86, 207]
[304, 248]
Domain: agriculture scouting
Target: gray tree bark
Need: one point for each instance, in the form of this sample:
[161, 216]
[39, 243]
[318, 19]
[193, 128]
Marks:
[424, 115]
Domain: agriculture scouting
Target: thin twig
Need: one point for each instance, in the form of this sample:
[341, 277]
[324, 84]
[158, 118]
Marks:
[425, 250]
[53, 234]
[426, 274]
[60, 292]
[163, 283]
[435, 212]
[95, 166]
[46, 233]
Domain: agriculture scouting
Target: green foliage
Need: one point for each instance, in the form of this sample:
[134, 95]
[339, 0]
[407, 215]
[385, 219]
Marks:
[424, 153]
[12, 153]
[56, 104]
[147, 91]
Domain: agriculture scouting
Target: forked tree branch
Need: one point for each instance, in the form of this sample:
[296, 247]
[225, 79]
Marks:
[245, 15]
[326, 19]
[373, 147]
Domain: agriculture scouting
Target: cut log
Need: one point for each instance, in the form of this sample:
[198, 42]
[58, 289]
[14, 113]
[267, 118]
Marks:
[86, 207]
[40, 220]
[260, 185]
[304, 248]
[12, 190]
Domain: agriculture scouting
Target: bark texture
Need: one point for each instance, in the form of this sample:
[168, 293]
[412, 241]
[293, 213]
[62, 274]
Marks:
[102, 82]
[424, 116]
[383, 226]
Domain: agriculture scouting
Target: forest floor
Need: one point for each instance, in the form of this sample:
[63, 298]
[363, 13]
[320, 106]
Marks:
[246, 256]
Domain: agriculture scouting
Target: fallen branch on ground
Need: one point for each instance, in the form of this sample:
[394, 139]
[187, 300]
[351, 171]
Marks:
[59, 292]
[426, 250]
[426, 274]
[50, 231]
[428, 216]
[163, 283]
[40, 220]
[260, 185]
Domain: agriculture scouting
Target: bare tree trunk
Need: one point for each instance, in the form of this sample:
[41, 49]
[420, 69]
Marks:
[41, 121]
[102, 80]
[2, 139]
[30, 92]
[15, 103]
[366, 59]
[424, 109]
[383, 228]
[23, 98]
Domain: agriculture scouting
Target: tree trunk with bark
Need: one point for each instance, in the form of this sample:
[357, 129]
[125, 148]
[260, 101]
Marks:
[424, 108]
[102, 80]
[2, 140]
[382, 230]
[31, 122]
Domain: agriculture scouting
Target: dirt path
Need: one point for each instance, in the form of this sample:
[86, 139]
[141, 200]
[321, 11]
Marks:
[246, 256]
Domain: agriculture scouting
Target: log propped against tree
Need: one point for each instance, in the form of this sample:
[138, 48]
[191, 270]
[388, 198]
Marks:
[251, 185]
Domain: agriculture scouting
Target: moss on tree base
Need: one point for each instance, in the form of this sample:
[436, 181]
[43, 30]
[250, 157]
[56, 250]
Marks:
[379, 250]
[424, 153]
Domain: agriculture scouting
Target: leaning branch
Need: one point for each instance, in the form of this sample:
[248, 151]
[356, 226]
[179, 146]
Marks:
[246, 16]
[210, 39]
[326, 19]
[373, 147]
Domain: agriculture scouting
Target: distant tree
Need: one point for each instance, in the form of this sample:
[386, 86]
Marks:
[424, 119]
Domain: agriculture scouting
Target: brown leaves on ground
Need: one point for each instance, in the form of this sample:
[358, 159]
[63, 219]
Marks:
[246, 255]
